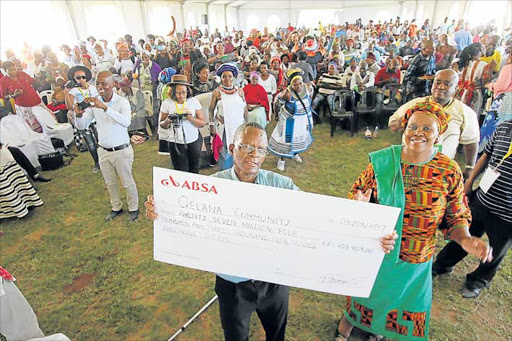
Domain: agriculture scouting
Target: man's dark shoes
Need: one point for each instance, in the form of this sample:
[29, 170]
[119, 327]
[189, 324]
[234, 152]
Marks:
[470, 292]
[134, 215]
[438, 270]
[40, 178]
[113, 214]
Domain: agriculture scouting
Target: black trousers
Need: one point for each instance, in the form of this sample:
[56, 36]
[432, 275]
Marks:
[238, 301]
[23, 161]
[499, 233]
[186, 157]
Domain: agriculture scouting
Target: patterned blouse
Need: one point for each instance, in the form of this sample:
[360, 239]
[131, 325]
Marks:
[433, 190]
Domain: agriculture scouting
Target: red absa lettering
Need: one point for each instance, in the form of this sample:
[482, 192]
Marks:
[193, 186]
[170, 181]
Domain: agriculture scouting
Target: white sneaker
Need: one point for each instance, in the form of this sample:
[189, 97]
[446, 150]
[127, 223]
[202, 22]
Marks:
[297, 158]
[280, 165]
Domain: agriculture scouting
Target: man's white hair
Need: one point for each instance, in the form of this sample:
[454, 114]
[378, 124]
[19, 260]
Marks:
[239, 132]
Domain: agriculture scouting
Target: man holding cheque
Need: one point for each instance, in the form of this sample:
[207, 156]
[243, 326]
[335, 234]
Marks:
[240, 297]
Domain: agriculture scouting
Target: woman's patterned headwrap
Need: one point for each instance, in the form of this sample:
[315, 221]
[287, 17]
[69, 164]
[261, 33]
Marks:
[431, 109]
[227, 67]
[293, 73]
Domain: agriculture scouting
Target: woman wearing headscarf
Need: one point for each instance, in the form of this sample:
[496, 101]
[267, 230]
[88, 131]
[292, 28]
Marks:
[475, 73]
[268, 82]
[147, 73]
[227, 108]
[257, 101]
[201, 76]
[276, 71]
[182, 115]
[427, 186]
[137, 104]
[292, 134]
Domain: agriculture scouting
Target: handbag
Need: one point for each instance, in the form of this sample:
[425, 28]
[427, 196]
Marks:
[51, 161]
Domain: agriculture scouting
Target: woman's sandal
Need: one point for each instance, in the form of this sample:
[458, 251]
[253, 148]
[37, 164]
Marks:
[340, 337]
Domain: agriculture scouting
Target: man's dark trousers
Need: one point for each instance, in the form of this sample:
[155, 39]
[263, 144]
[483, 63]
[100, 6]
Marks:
[237, 302]
[499, 233]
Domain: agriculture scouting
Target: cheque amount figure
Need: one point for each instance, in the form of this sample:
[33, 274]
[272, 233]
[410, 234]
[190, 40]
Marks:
[249, 149]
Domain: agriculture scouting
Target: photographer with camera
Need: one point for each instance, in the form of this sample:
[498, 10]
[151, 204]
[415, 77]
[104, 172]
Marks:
[113, 116]
[76, 90]
[183, 114]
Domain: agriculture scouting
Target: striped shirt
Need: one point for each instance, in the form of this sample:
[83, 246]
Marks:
[498, 198]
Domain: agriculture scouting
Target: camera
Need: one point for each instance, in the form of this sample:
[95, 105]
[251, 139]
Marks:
[176, 119]
[71, 84]
[83, 105]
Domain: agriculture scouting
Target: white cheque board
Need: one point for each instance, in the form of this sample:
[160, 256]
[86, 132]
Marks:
[264, 233]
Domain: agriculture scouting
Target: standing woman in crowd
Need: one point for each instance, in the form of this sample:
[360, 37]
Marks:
[201, 82]
[475, 73]
[229, 101]
[19, 86]
[76, 95]
[276, 71]
[104, 61]
[182, 115]
[427, 186]
[257, 101]
[147, 73]
[268, 82]
[137, 105]
[292, 134]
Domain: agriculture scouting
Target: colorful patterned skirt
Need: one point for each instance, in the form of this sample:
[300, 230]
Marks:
[292, 134]
[16, 192]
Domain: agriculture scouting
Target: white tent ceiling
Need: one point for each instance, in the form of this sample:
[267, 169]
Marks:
[57, 21]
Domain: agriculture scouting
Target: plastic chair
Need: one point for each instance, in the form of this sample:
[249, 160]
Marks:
[46, 95]
[367, 106]
[387, 109]
[343, 110]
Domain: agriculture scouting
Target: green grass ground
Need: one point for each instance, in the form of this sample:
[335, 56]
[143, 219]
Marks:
[98, 281]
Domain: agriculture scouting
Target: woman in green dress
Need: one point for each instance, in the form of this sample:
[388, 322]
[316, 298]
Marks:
[427, 186]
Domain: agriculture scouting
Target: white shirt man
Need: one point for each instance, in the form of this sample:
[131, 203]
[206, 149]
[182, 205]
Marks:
[113, 116]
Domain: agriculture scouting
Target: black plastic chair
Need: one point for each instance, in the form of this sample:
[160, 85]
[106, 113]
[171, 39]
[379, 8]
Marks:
[367, 106]
[344, 111]
[384, 111]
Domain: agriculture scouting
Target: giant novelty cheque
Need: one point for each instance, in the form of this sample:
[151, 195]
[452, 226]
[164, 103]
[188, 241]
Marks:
[281, 236]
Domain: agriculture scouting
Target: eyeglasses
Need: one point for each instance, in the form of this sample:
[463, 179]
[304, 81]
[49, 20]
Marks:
[80, 77]
[181, 92]
[248, 149]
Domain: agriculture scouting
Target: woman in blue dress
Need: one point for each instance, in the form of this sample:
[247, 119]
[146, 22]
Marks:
[292, 134]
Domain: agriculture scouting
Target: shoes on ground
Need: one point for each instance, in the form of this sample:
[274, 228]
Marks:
[280, 165]
[437, 270]
[40, 178]
[134, 215]
[96, 169]
[297, 158]
[470, 293]
[113, 215]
